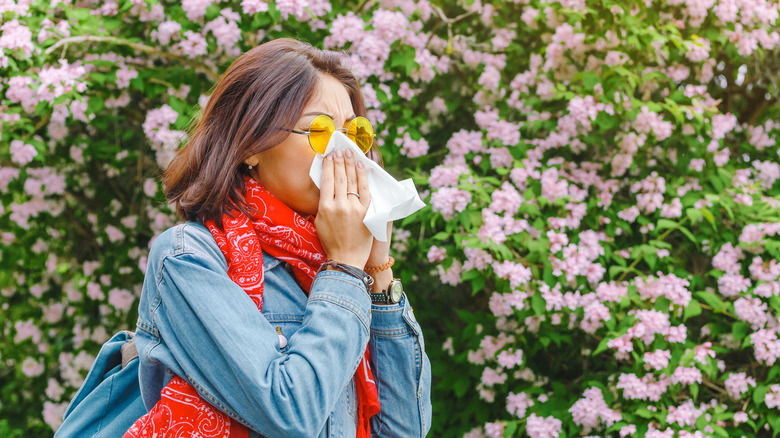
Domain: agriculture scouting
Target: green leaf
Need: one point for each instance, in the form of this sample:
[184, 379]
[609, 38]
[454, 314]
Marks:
[511, 428]
[692, 309]
[711, 299]
[739, 330]
[461, 386]
[759, 393]
[590, 79]
[538, 304]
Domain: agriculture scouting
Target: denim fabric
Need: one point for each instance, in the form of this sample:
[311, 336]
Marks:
[195, 322]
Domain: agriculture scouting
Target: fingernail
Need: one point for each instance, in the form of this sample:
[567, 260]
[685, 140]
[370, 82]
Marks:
[329, 157]
[348, 153]
[339, 154]
[360, 164]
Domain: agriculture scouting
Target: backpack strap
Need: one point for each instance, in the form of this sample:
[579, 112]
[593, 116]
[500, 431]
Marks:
[129, 352]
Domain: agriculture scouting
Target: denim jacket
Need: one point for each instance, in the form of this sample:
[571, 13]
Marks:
[195, 322]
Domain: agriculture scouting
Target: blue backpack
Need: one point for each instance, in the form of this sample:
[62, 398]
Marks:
[109, 401]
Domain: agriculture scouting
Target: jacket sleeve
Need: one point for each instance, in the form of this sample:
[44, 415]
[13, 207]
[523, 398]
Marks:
[402, 372]
[230, 352]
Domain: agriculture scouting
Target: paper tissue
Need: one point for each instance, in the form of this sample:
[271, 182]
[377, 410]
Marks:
[390, 199]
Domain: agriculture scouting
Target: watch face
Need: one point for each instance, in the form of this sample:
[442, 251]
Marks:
[396, 291]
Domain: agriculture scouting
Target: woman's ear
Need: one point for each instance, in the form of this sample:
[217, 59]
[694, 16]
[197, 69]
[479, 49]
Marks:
[252, 161]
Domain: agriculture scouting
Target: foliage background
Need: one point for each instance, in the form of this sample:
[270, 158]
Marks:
[599, 251]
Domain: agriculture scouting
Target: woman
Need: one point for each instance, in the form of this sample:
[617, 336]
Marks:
[322, 359]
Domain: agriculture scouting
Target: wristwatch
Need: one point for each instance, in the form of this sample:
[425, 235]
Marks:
[391, 295]
[360, 274]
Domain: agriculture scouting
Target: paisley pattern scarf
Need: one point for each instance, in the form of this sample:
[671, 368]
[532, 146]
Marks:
[286, 235]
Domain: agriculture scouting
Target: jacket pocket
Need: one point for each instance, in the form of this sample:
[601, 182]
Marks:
[285, 325]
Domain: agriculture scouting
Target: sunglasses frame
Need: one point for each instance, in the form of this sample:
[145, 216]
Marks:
[344, 129]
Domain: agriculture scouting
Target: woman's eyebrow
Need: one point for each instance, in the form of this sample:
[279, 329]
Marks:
[317, 113]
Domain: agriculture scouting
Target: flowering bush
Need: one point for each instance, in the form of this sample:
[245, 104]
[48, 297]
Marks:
[599, 253]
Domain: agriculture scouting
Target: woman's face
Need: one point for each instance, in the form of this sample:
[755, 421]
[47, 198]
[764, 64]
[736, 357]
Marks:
[284, 169]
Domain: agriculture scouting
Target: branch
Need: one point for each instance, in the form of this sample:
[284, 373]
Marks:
[139, 47]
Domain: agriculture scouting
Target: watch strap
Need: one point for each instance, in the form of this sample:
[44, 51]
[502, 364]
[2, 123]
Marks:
[360, 274]
[380, 297]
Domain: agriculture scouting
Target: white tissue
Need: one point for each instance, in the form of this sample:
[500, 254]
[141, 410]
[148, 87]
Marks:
[390, 199]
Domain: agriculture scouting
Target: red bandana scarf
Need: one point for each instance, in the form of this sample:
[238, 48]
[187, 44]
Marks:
[287, 236]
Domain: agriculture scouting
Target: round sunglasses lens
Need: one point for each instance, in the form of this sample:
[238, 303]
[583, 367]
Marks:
[361, 132]
[322, 127]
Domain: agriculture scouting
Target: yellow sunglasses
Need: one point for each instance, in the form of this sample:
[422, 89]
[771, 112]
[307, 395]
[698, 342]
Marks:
[322, 127]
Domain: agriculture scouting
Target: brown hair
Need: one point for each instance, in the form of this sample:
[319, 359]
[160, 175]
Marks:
[263, 90]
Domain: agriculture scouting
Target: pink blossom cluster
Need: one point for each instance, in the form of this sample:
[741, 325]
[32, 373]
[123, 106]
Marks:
[518, 404]
[738, 383]
[412, 148]
[645, 388]
[766, 346]
[449, 200]
[647, 121]
[686, 375]
[517, 274]
[579, 259]
[543, 427]
[496, 228]
[657, 360]
[667, 285]
[157, 129]
[684, 415]
[591, 411]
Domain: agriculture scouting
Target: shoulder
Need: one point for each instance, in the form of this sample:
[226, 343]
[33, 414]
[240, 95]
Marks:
[193, 240]
[186, 240]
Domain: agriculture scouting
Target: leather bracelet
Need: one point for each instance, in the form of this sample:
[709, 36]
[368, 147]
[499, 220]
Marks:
[381, 268]
[361, 275]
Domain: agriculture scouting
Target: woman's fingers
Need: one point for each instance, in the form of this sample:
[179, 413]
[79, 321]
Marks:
[339, 175]
[362, 181]
[326, 180]
[349, 167]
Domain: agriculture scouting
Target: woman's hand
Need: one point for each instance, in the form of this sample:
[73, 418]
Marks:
[380, 254]
[340, 213]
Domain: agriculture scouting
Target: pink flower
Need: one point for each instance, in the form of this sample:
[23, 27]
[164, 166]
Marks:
[121, 299]
[16, 36]
[251, 7]
[752, 310]
[442, 176]
[451, 275]
[685, 414]
[772, 397]
[646, 388]
[492, 377]
[195, 9]
[766, 346]
[22, 153]
[32, 368]
[701, 352]
[517, 404]
[516, 273]
[630, 214]
[510, 358]
[686, 375]
[495, 430]
[676, 333]
[436, 254]
[659, 359]
[738, 383]
[552, 187]
[543, 427]
[732, 285]
[506, 199]
[591, 411]
[413, 148]
[448, 200]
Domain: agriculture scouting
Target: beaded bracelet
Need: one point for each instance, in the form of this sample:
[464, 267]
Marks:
[381, 268]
